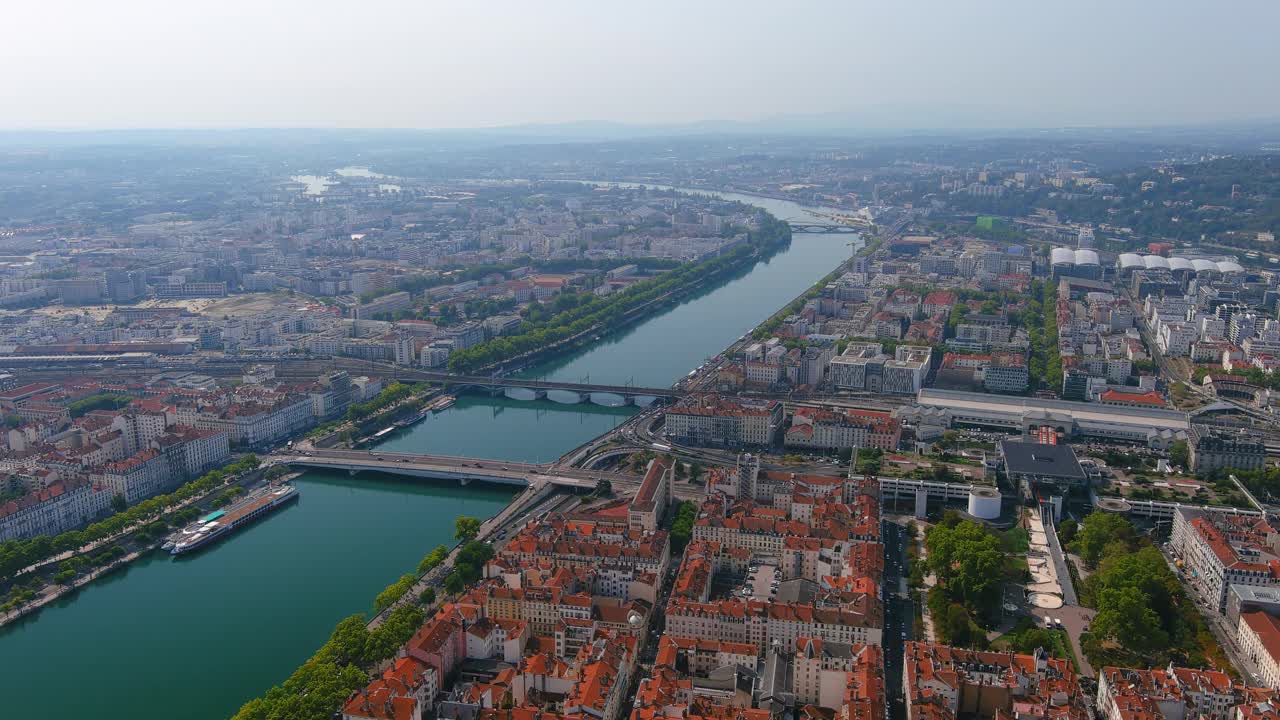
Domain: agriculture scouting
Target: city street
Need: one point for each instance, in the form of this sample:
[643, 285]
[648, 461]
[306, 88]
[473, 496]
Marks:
[898, 613]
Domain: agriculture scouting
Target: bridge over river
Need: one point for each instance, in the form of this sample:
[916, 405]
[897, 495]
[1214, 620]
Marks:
[464, 470]
[530, 389]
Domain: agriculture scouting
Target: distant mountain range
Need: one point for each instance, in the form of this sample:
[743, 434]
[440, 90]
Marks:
[879, 123]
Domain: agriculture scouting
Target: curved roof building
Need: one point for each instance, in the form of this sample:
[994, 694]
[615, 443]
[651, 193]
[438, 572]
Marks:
[1062, 256]
[1130, 261]
[1086, 257]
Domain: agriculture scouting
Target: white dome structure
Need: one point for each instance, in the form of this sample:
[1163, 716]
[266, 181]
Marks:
[1062, 256]
[1154, 262]
[1178, 263]
[1086, 257]
[1130, 261]
[1228, 267]
[1201, 265]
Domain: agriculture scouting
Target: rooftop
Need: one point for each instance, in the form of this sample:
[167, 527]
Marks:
[1040, 459]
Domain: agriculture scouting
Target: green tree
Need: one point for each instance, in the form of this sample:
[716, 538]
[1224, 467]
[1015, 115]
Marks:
[1097, 531]
[968, 560]
[682, 525]
[958, 625]
[118, 503]
[1180, 453]
[1067, 530]
[695, 472]
[466, 528]
[433, 559]
[427, 596]
[454, 584]
[1126, 618]
[276, 471]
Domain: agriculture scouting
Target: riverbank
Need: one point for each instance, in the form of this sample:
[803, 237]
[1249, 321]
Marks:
[575, 327]
[247, 611]
[348, 537]
[53, 590]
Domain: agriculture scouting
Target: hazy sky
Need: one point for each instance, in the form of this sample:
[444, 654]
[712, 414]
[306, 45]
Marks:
[467, 63]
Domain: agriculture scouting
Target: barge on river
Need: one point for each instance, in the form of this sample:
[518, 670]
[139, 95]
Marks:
[221, 523]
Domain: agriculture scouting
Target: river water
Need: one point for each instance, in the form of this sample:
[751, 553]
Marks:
[196, 638]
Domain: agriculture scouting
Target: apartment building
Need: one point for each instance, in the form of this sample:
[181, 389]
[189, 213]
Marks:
[838, 428]
[251, 423]
[1219, 549]
[1006, 373]
[654, 496]
[1213, 449]
[763, 623]
[1258, 637]
[1171, 693]
[580, 543]
[139, 476]
[716, 420]
[864, 366]
[384, 307]
[63, 505]
[1175, 338]
[945, 683]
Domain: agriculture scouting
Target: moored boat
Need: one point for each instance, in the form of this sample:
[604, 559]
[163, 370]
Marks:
[220, 523]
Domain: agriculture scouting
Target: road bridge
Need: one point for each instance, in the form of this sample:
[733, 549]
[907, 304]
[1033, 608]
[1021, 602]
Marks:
[464, 470]
[585, 391]
[830, 228]
[439, 467]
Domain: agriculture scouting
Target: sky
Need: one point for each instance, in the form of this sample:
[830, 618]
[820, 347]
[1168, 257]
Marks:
[67, 64]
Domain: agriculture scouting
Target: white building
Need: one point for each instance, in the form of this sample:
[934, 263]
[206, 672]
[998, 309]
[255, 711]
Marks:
[1258, 636]
[1219, 549]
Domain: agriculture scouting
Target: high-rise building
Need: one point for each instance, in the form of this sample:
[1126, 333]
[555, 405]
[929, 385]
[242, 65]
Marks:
[125, 285]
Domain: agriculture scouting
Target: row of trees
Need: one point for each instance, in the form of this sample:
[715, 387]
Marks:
[390, 395]
[968, 561]
[682, 526]
[100, 401]
[340, 667]
[1144, 616]
[1041, 321]
[591, 313]
[767, 328]
[468, 567]
[596, 312]
[18, 554]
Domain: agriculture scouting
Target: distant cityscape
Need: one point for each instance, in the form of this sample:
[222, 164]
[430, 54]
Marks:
[830, 429]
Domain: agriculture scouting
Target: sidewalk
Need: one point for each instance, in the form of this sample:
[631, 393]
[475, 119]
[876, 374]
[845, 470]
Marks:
[435, 576]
